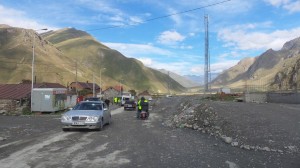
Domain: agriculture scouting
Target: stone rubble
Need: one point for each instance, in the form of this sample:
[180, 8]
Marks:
[201, 117]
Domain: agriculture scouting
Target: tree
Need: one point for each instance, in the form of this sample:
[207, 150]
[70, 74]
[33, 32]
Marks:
[132, 92]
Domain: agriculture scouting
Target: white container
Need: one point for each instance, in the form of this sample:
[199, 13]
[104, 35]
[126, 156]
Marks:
[49, 99]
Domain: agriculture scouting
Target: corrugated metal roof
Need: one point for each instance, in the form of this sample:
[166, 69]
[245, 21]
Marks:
[18, 91]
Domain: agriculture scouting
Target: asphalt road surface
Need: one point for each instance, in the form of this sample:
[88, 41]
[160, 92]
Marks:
[38, 141]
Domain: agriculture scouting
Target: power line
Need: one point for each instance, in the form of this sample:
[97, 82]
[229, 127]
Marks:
[25, 63]
[161, 17]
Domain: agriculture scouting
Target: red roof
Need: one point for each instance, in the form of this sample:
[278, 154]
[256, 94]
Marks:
[23, 90]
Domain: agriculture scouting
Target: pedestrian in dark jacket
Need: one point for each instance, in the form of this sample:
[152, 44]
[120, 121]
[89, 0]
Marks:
[107, 102]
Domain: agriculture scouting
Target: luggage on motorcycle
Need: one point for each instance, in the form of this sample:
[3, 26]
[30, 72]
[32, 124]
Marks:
[143, 115]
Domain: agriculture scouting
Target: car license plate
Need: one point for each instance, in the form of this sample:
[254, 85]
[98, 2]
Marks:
[78, 123]
[129, 105]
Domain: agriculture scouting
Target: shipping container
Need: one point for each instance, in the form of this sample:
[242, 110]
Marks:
[49, 99]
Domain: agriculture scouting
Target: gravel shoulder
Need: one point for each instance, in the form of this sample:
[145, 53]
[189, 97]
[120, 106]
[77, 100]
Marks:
[251, 126]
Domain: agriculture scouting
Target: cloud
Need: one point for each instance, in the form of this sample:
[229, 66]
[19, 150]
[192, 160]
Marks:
[17, 18]
[146, 61]
[138, 50]
[240, 37]
[170, 37]
[290, 5]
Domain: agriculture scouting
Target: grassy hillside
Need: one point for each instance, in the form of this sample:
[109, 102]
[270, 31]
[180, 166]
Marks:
[16, 58]
[92, 56]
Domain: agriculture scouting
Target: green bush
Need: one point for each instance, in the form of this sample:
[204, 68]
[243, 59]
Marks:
[26, 111]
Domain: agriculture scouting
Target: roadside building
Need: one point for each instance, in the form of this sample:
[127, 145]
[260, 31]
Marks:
[80, 86]
[112, 92]
[14, 97]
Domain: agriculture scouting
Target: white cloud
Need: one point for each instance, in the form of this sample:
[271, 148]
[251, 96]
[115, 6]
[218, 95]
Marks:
[290, 5]
[18, 18]
[170, 37]
[146, 61]
[138, 50]
[242, 39]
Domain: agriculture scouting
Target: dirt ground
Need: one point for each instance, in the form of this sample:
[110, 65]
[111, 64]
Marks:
[251, 126]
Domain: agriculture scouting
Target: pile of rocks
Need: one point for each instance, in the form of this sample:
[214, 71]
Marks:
[201, 116]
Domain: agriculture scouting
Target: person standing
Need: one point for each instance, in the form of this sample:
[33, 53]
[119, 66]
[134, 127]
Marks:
[107, 102]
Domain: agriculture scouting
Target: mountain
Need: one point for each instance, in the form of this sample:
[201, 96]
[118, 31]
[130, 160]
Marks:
[272, 69]
[16, 55]
[180, 79]
[197, 79]
[61, 54]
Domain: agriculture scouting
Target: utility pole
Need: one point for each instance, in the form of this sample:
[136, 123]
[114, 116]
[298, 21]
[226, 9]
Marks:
[32, 66]
[76, 78]
[169, 82]
[207, 59]
[93, 84]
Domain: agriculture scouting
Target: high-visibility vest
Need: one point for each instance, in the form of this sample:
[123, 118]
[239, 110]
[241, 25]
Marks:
[139, 104]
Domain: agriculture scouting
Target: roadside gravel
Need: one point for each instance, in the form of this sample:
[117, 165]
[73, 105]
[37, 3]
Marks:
[251, 126]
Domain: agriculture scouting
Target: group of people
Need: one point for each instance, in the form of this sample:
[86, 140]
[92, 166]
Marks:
[142, 105]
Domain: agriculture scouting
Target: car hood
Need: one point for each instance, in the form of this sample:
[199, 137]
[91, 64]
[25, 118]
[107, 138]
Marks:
[84, 113]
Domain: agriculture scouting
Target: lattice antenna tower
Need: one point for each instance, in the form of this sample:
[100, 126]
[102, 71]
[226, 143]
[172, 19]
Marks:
[207, 55]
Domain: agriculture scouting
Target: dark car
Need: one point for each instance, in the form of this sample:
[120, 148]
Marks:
[129, 105]
[92, 99]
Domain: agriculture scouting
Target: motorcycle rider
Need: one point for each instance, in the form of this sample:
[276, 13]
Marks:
[143, 105]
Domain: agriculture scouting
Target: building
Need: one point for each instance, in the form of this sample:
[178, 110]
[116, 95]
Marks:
[14, 96]
[84, 86]
[110, 93]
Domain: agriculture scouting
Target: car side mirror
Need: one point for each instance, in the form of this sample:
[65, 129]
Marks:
[105, 108]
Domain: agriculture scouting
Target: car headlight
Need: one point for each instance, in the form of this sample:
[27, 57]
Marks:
[92, 118]
[66, 118]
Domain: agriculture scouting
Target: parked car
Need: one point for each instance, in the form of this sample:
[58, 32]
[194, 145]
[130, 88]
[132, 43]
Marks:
[129, 105]
[86, 115]
[124, 98]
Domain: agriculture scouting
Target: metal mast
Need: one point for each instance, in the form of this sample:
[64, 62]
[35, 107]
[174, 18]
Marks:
[207, 59]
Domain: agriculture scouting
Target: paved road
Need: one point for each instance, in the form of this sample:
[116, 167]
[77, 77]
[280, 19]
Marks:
[38, 141]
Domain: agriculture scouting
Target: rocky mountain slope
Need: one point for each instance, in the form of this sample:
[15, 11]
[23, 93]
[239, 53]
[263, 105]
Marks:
[184, 81]
[272, 70]
[61, 54]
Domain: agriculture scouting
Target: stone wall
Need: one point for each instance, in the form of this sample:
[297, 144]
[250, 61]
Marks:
[256, 97]
[288, 98]
[7, 106]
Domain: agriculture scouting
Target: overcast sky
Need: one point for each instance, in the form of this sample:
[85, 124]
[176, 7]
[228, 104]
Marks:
[168, 34]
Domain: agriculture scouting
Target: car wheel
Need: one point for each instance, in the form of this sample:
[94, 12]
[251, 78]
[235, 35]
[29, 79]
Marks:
[101, 126]
[66, 129]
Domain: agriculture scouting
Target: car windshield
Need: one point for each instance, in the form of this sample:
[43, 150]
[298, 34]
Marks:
[88, 106]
